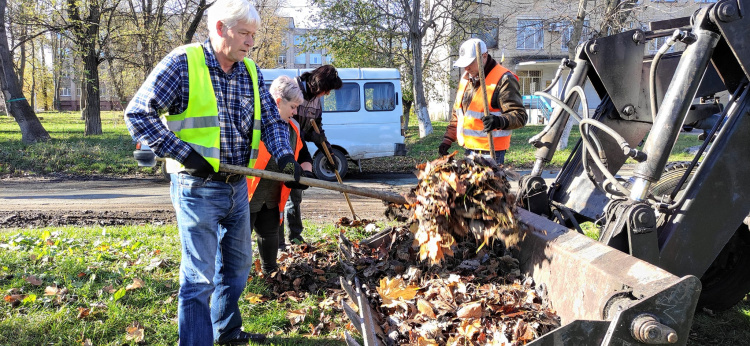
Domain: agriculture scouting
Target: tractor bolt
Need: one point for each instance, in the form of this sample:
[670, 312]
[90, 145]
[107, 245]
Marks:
[593, 48]
[628, 110]
[638, 36]
[647, 329]
[726, 11]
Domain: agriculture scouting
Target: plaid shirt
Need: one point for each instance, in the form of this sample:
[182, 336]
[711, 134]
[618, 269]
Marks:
[167, 88]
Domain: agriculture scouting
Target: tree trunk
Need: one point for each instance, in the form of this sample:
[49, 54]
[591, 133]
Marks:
[420, 103]
[44, 79]
[407, 113]
[190, 32]
[33, 76]
[92, 112]
[31, 129]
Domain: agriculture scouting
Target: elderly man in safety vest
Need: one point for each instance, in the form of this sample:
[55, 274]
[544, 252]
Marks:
[217, 111]
[469, 126]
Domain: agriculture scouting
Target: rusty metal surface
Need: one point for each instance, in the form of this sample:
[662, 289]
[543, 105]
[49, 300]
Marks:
[581, 275]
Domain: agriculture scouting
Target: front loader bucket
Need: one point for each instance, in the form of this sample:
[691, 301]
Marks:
[603, 296]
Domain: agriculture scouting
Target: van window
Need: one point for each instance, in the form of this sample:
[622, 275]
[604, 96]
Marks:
[380, 97]
[345, 99]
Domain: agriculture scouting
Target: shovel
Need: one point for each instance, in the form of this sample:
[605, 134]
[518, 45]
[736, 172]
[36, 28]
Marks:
[387, 196]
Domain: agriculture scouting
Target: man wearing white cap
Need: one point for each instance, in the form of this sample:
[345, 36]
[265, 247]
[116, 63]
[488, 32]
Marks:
[469, 126]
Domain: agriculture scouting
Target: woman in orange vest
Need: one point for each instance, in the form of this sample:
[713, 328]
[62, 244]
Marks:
[268, 197]
[469, 126]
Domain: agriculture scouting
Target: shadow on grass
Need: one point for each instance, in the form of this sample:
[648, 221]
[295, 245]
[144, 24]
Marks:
[301, 341]
[731, 327]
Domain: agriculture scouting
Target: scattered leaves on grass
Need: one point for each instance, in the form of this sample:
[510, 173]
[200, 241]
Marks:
[83, 313]
[254, 298]
[296, 317]
[135, 332]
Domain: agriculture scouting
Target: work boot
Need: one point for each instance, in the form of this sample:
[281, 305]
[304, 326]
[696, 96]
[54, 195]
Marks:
[244, 338]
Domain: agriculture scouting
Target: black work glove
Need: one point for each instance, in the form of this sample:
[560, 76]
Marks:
[494, 122]
[297, 185]
[443, 149]
[197, 166]
[289, 165]
[318, 138]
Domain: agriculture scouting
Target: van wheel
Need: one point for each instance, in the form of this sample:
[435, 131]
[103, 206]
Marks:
[326, 174]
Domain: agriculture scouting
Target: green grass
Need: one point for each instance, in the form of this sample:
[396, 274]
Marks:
[70, 152]
[86, 261]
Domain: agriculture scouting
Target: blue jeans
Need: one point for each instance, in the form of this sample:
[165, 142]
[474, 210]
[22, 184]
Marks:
[213, 219]
[499, 155]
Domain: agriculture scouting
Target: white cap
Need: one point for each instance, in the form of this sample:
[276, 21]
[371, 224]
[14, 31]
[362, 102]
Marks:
[467, 53]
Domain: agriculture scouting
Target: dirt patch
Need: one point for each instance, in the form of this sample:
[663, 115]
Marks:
[54, 218]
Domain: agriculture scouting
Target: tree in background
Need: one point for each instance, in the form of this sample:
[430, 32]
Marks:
[18, 106]
[412, 32]
[268, 39]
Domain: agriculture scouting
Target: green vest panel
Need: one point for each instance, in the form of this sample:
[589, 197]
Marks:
[199, 124]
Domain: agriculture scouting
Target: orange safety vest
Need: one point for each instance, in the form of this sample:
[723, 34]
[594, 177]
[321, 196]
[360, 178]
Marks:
[470, 129]
[263, 157]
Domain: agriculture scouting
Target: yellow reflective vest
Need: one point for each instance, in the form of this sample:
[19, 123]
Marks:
[199, 124]
[470, 129]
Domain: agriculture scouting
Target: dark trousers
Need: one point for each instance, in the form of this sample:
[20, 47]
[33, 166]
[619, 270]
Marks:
[292, 217]
[499, 154]
[265, 223]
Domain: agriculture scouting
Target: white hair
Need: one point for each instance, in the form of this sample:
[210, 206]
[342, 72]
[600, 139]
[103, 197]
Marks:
[286, 88]
[231, 12]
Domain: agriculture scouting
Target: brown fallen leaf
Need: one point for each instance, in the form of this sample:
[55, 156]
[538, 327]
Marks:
[33, 280]
[109, 289]
[137, 283]
[296, 316]
[83, 313]
[14, 299]
[135, 332]
[394, 290]
[471, 310]
[425, 308]
[51, 291]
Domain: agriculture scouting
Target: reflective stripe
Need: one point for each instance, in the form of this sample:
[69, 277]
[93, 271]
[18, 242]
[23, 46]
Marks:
[479, 115]
[193, 123]
[481, 133]
[205, 151]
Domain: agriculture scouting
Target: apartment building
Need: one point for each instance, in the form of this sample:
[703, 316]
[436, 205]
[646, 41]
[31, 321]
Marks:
[294, 54]
[531, 37]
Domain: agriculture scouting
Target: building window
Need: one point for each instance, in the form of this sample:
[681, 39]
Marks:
[300, 59]
[281, 60]
[315, 59]
[566, 32]
[529, 34]
[64, 91]
[486, 30]
[299, 40]
[530, 81]
[345, 99]
[380, 96]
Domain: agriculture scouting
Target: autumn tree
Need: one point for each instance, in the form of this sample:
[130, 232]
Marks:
[18, 106]
[271, 33]
[417, 31]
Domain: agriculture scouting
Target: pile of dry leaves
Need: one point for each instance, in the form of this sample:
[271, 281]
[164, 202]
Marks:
[477, 296]
[455, 198]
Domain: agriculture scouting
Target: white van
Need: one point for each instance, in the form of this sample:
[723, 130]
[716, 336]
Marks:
[362, 120]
